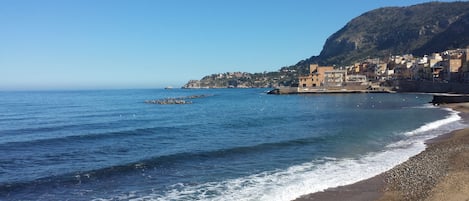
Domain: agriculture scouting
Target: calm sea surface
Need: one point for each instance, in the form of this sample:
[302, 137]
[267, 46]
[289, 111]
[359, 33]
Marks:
[236, 144]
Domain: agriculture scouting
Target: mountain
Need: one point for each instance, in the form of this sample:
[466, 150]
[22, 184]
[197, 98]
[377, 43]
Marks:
[284, 77]
[419, 29]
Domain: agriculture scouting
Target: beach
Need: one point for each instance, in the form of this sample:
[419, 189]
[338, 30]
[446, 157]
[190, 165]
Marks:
[440, 172]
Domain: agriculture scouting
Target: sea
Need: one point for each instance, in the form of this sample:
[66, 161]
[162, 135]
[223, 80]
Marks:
[228, 144]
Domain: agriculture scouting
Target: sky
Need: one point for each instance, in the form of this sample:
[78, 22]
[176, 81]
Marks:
[125, 44]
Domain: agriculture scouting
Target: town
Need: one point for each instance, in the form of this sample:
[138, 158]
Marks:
[430, 73]
[446, 71]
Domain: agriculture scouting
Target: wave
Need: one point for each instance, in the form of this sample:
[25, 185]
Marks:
[425, 106]
[54, 127]
[452, 117]
[160, 162]
[281, 184]
[47, 124]
[293, 182]
[10, 118]
[38, 139]
[314, 176]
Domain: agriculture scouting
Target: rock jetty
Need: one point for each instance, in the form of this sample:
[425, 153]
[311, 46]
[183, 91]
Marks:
[176, 101]
[168, 101]
[449, 98]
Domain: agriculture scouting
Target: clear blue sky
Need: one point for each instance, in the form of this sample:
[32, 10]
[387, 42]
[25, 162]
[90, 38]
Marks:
[87, 44]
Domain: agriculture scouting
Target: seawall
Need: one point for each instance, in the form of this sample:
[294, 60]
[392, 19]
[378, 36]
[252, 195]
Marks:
[296, 90]
[431, 87]
[450, 98]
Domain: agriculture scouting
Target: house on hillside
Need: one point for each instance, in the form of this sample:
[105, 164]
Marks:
[316, 76]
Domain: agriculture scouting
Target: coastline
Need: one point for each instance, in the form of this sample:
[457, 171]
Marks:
[440, 172]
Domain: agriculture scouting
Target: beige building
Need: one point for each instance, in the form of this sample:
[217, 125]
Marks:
[455, 65]
[316, 77]
[453, 69]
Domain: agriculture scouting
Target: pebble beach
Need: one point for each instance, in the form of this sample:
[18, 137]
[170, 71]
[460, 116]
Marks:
[441, 172]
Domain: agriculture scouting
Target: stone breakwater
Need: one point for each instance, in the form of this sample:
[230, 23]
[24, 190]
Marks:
[176, 101]
[449, 98]
[318, 90]
[168, 101]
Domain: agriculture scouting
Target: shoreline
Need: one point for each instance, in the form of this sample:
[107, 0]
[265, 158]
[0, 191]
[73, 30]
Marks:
[440, 172]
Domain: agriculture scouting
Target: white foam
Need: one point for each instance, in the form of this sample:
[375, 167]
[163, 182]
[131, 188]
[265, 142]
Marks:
[293, 182]
[452, 117]
[313, 176]
[425, 106]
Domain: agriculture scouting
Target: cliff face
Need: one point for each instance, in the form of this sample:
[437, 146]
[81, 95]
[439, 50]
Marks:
[419, 29]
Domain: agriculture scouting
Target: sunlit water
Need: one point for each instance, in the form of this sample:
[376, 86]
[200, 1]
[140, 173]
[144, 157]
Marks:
[236, 144]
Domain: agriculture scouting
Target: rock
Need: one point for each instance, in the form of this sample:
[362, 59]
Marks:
[175, 101]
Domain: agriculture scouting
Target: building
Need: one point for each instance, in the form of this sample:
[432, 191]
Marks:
[455, 65]
[435, 60]
[356, 79]
[335, 78]
[316, 77]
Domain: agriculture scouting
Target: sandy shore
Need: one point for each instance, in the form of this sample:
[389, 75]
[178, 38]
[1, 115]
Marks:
[441, 172]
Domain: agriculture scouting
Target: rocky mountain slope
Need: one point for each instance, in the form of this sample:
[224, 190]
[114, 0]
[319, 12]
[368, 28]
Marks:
[419, 29]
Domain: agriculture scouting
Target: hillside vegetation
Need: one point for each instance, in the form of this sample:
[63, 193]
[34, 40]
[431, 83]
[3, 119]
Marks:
[419, 29]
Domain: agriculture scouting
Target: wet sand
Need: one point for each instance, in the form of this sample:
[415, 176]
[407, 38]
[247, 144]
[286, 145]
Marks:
[441, 172]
